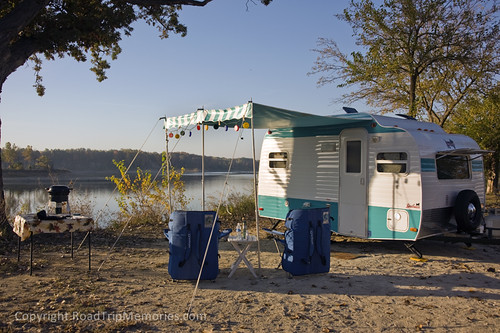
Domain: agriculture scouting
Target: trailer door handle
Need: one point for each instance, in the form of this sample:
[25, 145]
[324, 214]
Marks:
[362, 181]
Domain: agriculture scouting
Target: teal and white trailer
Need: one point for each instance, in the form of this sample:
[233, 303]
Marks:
[388, 178]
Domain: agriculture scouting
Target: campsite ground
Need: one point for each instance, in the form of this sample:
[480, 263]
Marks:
[371, 287]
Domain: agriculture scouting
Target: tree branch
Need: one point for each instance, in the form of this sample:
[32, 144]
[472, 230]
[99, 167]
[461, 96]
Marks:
[168, 2]
[20, 16]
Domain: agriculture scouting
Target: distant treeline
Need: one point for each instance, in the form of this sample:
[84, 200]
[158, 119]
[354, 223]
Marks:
[88, 160]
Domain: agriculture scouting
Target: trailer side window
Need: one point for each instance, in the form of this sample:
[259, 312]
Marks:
[278, 160]
[452, 167]
[392, 162]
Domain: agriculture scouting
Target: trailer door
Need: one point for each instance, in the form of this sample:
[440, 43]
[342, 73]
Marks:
[353, 182]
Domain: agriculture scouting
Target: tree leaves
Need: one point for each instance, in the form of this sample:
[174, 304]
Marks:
[419, 57]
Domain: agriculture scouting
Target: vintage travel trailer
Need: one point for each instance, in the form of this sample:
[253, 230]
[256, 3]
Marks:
[382, 177]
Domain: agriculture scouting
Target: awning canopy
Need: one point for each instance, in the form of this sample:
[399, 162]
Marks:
[262, 116]
[463, 152]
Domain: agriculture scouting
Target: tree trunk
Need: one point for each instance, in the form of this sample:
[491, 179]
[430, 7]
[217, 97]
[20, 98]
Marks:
[5, 228]
[413, 96]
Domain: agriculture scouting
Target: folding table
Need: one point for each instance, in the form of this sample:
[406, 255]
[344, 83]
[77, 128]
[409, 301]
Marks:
[242, 245]
[27, 225]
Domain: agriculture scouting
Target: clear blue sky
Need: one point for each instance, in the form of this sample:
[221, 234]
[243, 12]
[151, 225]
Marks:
[229, 56]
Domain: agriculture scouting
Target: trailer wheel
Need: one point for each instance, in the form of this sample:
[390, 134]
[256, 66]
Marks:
[467, 211]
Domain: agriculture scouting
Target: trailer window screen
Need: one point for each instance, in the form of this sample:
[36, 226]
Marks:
[452, 167]
[392, 162]
[278, 160]
[353, 157]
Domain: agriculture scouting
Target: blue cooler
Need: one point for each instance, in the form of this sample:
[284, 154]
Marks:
[188, 236]
[307, 241]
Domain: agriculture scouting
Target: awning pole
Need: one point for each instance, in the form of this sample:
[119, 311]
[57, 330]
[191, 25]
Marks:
[203, 162]
[255, 189]
[167, 160]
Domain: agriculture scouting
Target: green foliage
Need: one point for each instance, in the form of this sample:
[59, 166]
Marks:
[479, 119]
[99, 161]
[33, 29]
[143, 200]
[235, 208]
[422, 57]
[15, 158]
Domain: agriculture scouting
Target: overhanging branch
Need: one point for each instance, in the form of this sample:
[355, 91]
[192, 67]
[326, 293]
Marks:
[168, 2]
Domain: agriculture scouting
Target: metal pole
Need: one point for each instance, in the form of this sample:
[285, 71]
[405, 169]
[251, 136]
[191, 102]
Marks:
[167, 160]
[89, 251]
[31, 253]
[19, 249]
[255, 188]
[203, 164]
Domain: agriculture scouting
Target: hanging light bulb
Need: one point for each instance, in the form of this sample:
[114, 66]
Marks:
[170, 135]
[269, 132]
[183, 133]
[246, 125]
[198, 127]
[236, 128]
[206, 127]
[227, 127]
[216, 126]
[177, 135]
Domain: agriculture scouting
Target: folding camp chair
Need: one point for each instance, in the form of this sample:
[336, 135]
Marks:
[278, 237]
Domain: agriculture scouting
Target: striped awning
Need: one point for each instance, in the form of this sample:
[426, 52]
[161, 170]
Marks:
[259, 116]
[230, 116]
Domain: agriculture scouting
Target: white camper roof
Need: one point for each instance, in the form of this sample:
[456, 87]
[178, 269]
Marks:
[429, 136]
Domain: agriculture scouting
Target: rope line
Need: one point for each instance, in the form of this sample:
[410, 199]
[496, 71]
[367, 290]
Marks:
[213, 224]
[101, 211]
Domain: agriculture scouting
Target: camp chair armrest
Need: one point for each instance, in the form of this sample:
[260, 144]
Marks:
[224, 233]
[273, 232]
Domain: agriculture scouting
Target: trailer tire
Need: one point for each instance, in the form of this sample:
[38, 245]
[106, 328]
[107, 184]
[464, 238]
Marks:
[467, 211]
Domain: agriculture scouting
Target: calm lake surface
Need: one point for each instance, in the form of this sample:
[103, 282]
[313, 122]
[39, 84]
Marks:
[102, 195]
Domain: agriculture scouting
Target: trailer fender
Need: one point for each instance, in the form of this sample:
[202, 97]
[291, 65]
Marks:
[467, 211]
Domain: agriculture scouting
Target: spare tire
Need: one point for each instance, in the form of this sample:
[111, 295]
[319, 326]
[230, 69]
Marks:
[467, 211]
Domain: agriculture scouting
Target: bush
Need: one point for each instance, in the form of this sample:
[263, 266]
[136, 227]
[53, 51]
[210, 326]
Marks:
[145, 201]
[236, 208]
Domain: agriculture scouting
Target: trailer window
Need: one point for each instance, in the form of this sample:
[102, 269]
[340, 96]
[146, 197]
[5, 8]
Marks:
[353, 157]
[278, 160]
[452, 167]
[392, 162]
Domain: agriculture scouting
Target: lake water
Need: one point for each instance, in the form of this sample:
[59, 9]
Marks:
[102, 197]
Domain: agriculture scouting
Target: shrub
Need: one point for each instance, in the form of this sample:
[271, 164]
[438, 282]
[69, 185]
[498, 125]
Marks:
[145, 201]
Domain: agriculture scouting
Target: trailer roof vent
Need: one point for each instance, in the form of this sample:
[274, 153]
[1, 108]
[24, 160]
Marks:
[349, 110]
[405, 116]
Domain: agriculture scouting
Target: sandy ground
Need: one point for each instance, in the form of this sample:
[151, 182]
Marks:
[371, 287]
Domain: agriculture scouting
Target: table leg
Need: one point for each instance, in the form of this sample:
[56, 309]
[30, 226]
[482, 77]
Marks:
[19, 249]
[235, 265]
[71, 245]
[31, 253]
[241, 257]
[249, 265]
[89, 251]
